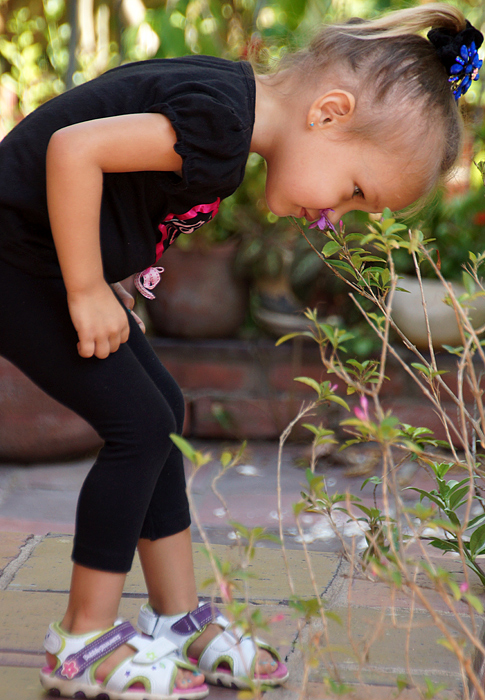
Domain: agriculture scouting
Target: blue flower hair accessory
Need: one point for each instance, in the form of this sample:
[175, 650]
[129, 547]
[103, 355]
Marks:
[459, 54]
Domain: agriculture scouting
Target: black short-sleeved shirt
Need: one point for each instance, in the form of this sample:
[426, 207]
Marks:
[210, 103]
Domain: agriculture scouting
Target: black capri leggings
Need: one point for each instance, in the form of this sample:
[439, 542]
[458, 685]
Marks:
[136, 487]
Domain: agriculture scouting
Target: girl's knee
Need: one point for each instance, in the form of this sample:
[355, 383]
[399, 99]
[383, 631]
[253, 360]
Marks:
[176, 401]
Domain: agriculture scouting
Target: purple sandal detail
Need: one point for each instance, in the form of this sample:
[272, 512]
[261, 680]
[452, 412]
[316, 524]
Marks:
[229, 659]
[149, 674]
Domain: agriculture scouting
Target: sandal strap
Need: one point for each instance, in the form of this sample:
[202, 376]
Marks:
[75, 664]
[195, 620]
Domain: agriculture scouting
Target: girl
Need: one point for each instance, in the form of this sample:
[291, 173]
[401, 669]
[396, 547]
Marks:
[94, 186]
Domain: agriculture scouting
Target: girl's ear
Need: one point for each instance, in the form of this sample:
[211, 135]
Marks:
[333, 107]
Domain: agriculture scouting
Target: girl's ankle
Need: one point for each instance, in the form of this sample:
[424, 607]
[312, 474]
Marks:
[79, 624]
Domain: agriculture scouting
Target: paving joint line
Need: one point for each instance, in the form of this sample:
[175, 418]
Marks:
[327, 587]
[13, 566]
[336, 573]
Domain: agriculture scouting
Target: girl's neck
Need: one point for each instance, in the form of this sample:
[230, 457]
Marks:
[272, 113]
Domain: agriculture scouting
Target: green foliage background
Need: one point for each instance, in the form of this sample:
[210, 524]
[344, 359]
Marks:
[40, 56]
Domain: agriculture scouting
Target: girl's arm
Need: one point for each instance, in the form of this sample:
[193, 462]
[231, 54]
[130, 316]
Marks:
[77, 157]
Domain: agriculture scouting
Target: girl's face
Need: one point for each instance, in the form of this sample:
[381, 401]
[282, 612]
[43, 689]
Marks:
[308, 173]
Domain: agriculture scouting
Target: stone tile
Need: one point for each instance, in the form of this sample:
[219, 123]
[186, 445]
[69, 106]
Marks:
[49, 569]
[258, 510]
[67, 476]
[35, 527]
[21, 684]
[381, 639]
[10, 544]
[47, 506]
[7, 471]
[22, 659]
[376, 594]
[25, 617]
[317, 691]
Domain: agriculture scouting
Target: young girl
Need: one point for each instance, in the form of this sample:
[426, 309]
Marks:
[94, 186]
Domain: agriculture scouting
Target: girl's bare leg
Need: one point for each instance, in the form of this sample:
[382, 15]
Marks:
[168, 568]
[93, 605]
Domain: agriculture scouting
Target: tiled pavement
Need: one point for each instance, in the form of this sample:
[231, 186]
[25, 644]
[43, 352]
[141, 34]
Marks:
[36, 523]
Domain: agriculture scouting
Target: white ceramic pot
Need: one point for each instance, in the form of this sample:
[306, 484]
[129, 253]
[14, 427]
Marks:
[408, 313]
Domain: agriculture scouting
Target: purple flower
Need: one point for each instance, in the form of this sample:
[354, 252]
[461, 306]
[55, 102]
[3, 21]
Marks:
[323, 222]
[464, 587]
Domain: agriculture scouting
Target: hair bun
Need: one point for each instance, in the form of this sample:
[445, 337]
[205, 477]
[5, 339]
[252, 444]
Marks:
[458, 53]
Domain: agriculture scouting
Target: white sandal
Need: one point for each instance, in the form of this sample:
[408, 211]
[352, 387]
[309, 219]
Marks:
[229, 659]
[154, 666]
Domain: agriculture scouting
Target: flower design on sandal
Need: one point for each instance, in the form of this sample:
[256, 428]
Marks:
[464, 70]
[70, 669]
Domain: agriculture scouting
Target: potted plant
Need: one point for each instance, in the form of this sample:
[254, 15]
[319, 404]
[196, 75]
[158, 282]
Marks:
[199, 295]
[456, 227]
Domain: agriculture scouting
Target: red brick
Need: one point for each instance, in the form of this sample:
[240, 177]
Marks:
[451, 381]
[195, 375]
[420, 413]
[282, 377]
[254, 418]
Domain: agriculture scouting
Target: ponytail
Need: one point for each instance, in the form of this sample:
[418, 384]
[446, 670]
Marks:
[412, 20]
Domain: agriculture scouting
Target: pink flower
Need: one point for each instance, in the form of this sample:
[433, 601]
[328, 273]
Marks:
[278, 618]
[363, 412]
[225, 590]
[70, 669]
[323, 222]
[464, 587]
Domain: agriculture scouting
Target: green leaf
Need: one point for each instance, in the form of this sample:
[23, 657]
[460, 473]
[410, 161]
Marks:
[477, 540]
[457, 496]
[474, 602]
[444, 545]
[309, 382]
[290, 336]
[402, 682]
[427, 494]
[340, 401]
[476, 521]
[330, 248]
[184, 446]
[339, 264]
[468, 282]
[376, 480]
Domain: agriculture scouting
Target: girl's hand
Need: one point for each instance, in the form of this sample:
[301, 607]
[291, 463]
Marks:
[128, 301]
[99, 320]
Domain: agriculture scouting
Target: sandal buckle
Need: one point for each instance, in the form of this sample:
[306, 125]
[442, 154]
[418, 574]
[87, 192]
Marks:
[194, 621]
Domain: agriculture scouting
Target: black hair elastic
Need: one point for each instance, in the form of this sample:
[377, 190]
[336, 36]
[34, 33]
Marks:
[458, 52]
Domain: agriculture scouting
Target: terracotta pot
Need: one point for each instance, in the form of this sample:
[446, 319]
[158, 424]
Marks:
[408, 312]
[198, 295]
[34, 427]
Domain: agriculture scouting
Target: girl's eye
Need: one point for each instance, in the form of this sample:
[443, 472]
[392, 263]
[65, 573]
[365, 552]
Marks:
[358, 192]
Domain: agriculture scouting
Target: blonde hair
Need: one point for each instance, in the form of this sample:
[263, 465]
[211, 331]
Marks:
[393, 71]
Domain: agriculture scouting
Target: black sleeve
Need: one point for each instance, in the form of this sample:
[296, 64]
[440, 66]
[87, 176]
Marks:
[211, 140]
